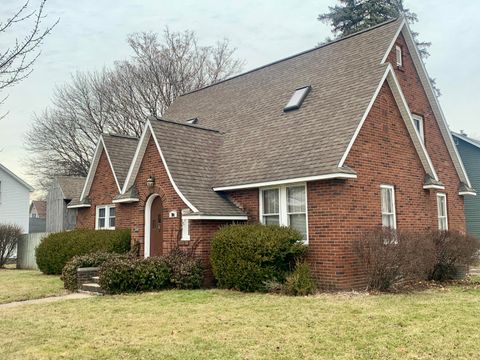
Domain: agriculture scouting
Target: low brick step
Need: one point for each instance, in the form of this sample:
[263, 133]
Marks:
[95, 279]
[92, 288]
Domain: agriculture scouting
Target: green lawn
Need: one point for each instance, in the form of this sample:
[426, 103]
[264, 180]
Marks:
[216, 324]
[17, 285]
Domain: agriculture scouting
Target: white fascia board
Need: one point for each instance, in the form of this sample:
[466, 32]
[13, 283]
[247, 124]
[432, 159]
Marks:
[177, 190]
[392, 44]
[466, 139]
[215, 217]
[78, 206]
[467, 193]
[136, 159]
[127, 200]
[403, 105]
[111, 165]
[434, 103]
[18, 179]
[436, 187]
[287, 181]
[91, 171]
[364, 117]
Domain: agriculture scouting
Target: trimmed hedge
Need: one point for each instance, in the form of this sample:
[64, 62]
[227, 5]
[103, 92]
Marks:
[57, 249]
[247, 257]
[133, 275]
[187, 272]
[69, 273]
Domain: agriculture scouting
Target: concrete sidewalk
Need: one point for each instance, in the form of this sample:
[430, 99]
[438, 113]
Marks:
[46, 300]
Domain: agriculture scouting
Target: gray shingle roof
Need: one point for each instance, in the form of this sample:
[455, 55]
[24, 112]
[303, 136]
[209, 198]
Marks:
[260, 142]
[191, 154]
[71, 186]
[121, 150]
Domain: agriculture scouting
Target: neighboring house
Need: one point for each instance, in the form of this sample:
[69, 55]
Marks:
[14, 199]
[469, 150]
[38, 209]
[61, 192]
[334, 142]
[38, 215]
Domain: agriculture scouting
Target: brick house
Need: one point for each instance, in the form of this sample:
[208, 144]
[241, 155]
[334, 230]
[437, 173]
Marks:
[334, 141]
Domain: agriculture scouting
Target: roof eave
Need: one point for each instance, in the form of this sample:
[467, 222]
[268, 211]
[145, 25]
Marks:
[199, 216]
[330, 176]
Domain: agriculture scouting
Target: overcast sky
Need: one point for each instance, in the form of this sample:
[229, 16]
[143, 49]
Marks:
[91, 34]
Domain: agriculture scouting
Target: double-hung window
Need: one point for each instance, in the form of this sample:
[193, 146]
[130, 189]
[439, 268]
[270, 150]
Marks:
[442, 212]
[419, 126]
[286, 206]
[389, 215]
[399, 55]
[105, 218]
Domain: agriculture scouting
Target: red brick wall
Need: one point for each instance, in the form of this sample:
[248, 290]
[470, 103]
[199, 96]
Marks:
[102, 192]
[338, 211]
[248, 201]
[418, 103]
[201, 232]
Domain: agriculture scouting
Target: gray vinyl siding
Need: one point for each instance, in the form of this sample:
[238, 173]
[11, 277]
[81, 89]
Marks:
[470, 155]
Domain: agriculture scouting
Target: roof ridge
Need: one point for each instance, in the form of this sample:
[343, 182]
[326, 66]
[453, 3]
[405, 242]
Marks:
[121, 136]
[184, 124]
[321, 46]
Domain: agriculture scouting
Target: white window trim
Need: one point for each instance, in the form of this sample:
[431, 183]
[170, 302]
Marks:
[399, 55]
[282, 204]
[394, 203]
[422, 125]
[107, 217]
[444, 196]
[185, 229]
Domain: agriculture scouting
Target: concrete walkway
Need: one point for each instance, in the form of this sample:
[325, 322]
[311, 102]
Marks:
[46, 300]
[474, 270]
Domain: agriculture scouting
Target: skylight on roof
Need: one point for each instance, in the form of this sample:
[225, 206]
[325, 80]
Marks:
[192, 121]
[297, 98]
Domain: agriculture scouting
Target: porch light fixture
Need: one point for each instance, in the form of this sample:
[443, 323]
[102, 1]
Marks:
[151, 182]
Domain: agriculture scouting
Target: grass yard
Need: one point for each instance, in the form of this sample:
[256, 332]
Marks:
[17, 285]
[216, 324]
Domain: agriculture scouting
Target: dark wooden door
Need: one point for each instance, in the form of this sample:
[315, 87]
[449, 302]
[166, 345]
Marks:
[156, 228]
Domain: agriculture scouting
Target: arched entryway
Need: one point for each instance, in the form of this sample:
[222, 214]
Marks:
[153, 245]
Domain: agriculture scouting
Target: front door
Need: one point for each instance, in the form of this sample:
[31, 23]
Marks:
[156, 233]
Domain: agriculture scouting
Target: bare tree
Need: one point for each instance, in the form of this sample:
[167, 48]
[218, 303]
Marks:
[119, 100]
[16, 60]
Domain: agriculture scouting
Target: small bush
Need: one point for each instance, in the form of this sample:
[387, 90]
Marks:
[452, 250]
[69, 272]
[57, 249]
[391, 256]
[246, 257]
[9, 236]
[133, 275]
[186, 271]
[300, 282]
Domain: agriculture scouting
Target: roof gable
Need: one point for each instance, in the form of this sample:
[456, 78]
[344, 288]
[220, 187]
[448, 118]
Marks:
[467, 139]
[261, 142]
[189, 156]
[432, 99]
[120, 151]
[16, 178]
